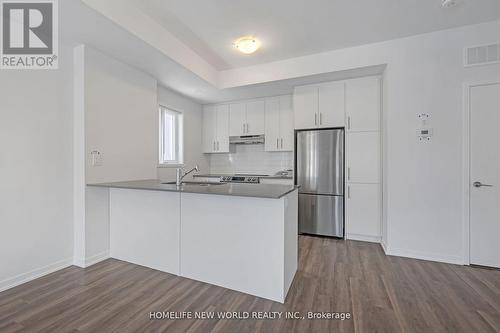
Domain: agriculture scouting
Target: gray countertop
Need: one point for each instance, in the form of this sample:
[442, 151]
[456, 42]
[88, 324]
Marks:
[231, 189]
[218, 175]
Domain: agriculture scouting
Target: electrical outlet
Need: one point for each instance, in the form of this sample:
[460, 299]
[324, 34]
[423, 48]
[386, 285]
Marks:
[96, 158]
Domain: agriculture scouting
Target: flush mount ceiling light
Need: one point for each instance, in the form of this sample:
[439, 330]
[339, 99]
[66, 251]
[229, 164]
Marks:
[449, 3]
[247, 44]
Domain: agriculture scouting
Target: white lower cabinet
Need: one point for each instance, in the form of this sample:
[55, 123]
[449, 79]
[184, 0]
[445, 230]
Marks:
[363, 212]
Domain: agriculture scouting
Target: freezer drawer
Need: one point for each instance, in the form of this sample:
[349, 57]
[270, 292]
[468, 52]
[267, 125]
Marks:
[321, 215]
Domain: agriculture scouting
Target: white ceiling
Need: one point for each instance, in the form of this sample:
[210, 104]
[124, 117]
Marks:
[291, 28]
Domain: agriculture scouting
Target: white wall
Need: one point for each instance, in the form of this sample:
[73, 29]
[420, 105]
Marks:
[423, 182]
[193, 117]
[120, 120]
[36, 227]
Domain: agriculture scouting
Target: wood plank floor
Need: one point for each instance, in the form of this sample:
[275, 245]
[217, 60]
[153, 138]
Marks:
[383, 294]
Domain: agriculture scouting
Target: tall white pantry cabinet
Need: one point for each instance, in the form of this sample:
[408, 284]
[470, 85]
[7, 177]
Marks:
[355, 105]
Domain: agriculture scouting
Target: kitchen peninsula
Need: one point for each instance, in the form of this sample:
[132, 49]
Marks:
[238, 236]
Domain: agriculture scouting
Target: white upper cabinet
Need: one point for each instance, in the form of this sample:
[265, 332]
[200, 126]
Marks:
[286, 123]
[222, 128]
[305, 105]
[363, 102]
[272, 124]
[216, 128]
[331, 103]
[320, 105]
[362, 157]
[256, 117]
[247, 118]
[209, 129]
[279, 123]
[237, 119]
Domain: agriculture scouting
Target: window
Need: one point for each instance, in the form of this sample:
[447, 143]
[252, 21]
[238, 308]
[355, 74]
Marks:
[170, 137]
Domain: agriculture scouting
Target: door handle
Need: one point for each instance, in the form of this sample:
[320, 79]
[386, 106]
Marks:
[320, 118]
[479, 184]
[281, 143]
[348, 192]
[349, 173]
[244, 129]
[348, 122]
[277, 143]
[315, 119]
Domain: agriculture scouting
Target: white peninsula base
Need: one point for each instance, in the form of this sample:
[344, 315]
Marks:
[247, 244]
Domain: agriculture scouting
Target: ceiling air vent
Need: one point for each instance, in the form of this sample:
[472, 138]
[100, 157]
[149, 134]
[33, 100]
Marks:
[482, 55]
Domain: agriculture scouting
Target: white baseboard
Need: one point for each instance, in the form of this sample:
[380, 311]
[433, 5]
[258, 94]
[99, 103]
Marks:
[384, 247]
[457, 260]
[89, 261]
[96, 258]
[364, 238]
[34, 274]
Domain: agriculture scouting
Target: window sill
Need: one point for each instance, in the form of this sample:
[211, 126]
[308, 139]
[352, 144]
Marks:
[171, 165]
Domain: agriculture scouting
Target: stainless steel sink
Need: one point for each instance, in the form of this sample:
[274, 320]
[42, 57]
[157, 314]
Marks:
[193, 183]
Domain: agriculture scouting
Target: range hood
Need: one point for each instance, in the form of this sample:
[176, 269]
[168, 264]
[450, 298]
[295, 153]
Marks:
[246, 139]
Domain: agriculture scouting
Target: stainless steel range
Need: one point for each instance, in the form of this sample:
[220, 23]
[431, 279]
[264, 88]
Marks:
[240, 179]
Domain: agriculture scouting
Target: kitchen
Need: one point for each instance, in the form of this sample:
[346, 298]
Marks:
[175, 169]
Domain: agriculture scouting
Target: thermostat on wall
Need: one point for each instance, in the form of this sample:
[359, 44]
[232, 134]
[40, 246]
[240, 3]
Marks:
[424, 134]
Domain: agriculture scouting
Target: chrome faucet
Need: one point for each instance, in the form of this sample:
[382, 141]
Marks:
[180, 176]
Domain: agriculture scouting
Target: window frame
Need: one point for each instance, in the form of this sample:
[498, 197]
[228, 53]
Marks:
[179, 136]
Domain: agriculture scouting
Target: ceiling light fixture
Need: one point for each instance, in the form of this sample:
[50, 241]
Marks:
[247, 44]
[449, 3]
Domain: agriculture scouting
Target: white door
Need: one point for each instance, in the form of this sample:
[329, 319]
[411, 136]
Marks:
[255, 124]
[305, 107]
[209, 128]
[362, 103]
[286, 123]
[331, 104]
[272, 124]
[362, 157]
[485, 175]
[237, 119]
[222, 129]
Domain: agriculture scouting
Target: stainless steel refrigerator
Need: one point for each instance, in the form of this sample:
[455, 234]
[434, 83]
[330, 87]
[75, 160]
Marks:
[319, 165]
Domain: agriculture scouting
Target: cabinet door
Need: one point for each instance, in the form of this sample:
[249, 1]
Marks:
[305, 107]
[286, 123]
[363, 157]
[362, 216]
[222, 129]
[331, 104]
[363, 97]
[272, 124]
[209, 126]
[237, 119]
[255, 124]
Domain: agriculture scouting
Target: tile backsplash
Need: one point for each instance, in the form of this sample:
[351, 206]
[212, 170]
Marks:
[251, 159]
